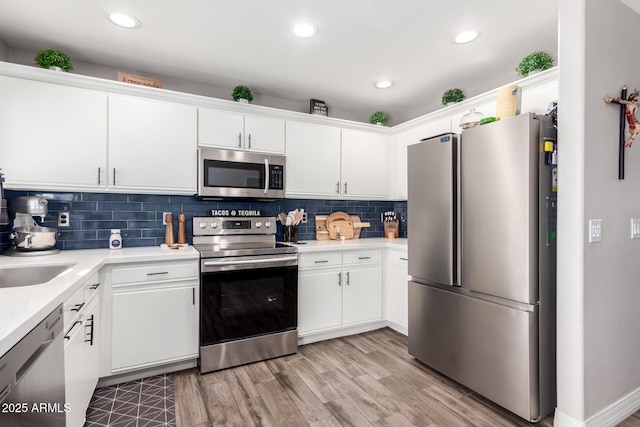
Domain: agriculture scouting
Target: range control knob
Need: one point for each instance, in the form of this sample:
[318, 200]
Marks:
[214, 225]
[267, 224]
[203, 225]
[258, 224]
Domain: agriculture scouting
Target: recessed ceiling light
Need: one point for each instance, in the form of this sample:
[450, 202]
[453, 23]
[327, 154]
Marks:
[124, 20]
[465, 37]
[383, 84]
[305, 30]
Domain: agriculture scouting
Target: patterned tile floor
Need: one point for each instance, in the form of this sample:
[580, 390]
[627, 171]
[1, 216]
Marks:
[148, 402]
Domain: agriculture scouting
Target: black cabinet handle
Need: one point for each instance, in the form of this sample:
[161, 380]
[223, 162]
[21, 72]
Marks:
[77, 307]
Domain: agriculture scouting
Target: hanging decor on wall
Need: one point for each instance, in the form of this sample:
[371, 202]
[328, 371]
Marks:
[628, 107]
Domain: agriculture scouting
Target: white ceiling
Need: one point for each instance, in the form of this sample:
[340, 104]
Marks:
[231, 42]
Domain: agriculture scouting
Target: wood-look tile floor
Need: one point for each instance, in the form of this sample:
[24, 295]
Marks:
[360, 380]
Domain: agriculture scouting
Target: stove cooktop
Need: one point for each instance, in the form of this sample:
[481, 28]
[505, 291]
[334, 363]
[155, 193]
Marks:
[227, 249]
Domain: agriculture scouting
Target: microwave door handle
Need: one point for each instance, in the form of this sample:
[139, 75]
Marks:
[266, 176]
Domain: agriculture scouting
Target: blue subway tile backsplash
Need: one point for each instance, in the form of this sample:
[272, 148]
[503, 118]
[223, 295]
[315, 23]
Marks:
[139, 216]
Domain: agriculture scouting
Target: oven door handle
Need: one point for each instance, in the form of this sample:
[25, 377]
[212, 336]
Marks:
[225, 264]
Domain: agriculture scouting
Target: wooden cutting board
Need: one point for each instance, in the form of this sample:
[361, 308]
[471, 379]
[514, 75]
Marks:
[345, 227]
[322, 232]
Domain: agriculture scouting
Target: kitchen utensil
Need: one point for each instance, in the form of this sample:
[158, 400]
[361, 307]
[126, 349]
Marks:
[341, 229]
[34, 238]
[297, 217]
[282, 217]
[336, 216]
[182, 229]
[168, 235]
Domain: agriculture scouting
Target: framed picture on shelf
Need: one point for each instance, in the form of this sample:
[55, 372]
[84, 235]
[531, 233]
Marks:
[318, 108]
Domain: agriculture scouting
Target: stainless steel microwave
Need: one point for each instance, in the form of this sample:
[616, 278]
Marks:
[229, 173]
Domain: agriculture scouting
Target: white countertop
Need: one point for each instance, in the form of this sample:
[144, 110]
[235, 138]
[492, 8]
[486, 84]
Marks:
[22, 308]
[368, 243]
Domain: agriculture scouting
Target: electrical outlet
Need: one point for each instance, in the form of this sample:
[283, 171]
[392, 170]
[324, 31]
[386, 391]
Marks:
[164, 217]
[635, 228]
[595, 230]
[63, 219]
[304, 218]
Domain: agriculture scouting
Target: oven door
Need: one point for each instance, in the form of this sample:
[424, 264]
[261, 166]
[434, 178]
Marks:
[242, 297]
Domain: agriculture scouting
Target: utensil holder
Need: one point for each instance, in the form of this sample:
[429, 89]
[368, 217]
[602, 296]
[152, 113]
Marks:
[290, 233]
[392, 229]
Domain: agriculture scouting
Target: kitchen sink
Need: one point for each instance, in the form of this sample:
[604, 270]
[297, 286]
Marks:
[27, 276]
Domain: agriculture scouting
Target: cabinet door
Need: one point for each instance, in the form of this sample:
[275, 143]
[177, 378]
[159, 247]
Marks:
[313, 160]
[222, 129]
[44, 126]
[396, 300]
[362, 295]
[319, 300]
[92, 341]
[364, 164]
[152, 145]
[153, 326]
[264, 134]
[75, 374]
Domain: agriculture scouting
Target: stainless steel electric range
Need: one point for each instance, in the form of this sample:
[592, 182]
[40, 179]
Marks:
[248, 291]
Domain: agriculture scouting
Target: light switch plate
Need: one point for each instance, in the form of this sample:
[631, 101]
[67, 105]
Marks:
[595, 230]
[635, 228]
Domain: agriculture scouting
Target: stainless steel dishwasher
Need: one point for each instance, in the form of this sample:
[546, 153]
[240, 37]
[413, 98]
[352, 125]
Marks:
[32, 377]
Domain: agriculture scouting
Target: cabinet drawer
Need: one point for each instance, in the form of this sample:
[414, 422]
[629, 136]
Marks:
[72, 307]
[362, 257]
[91, 287]
[155, 272]
[322, 259]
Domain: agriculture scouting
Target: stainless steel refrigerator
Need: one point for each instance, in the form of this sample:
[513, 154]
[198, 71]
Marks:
[481, 212]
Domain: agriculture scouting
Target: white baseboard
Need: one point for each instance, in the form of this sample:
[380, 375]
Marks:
[609, 416]
[399, 327]
[310, 337]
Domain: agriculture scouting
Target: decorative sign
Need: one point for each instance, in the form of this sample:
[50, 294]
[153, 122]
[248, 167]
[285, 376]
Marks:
[138, 80]
[318, 107]
[236, 212]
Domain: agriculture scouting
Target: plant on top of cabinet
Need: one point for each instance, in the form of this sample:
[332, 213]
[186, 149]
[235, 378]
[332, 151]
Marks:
[452, 96]
[378, 118]
[53, 59]
[537, 61]
[242, 94]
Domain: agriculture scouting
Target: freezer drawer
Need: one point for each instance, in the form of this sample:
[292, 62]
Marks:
[490, 348]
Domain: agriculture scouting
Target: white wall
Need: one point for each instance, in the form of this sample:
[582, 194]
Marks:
[598, 290]
[4, 51]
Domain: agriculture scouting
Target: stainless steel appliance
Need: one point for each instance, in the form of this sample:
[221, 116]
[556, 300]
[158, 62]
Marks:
[4, 216]
[27, 236]
[248, 291]
[482, 260]
[228, 173]
[32, 389]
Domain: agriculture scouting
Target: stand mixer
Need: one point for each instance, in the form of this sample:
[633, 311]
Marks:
[27, 236]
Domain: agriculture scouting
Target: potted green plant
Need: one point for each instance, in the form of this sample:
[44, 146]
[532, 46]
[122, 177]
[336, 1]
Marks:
[378, 118]
[53, 59]
[537, 61]
[452, 96]
[241, 93]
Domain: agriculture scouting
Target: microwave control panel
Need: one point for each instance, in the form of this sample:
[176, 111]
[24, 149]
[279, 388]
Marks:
[276, 177]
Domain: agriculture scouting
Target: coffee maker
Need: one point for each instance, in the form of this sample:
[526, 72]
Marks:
[27, 236]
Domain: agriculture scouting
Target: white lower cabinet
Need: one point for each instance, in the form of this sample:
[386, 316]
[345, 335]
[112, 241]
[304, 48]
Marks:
[81, 350]
[396, 298]
[337, 290]
[154, 311]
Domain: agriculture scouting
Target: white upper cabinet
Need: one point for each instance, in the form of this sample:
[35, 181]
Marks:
[325, 161]
[313, 160]
[52, 137]
[152, 145]
[237, 131]
[364, 164]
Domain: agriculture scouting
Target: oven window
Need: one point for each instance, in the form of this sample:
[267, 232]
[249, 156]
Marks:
[233, 174]
[247, 303]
